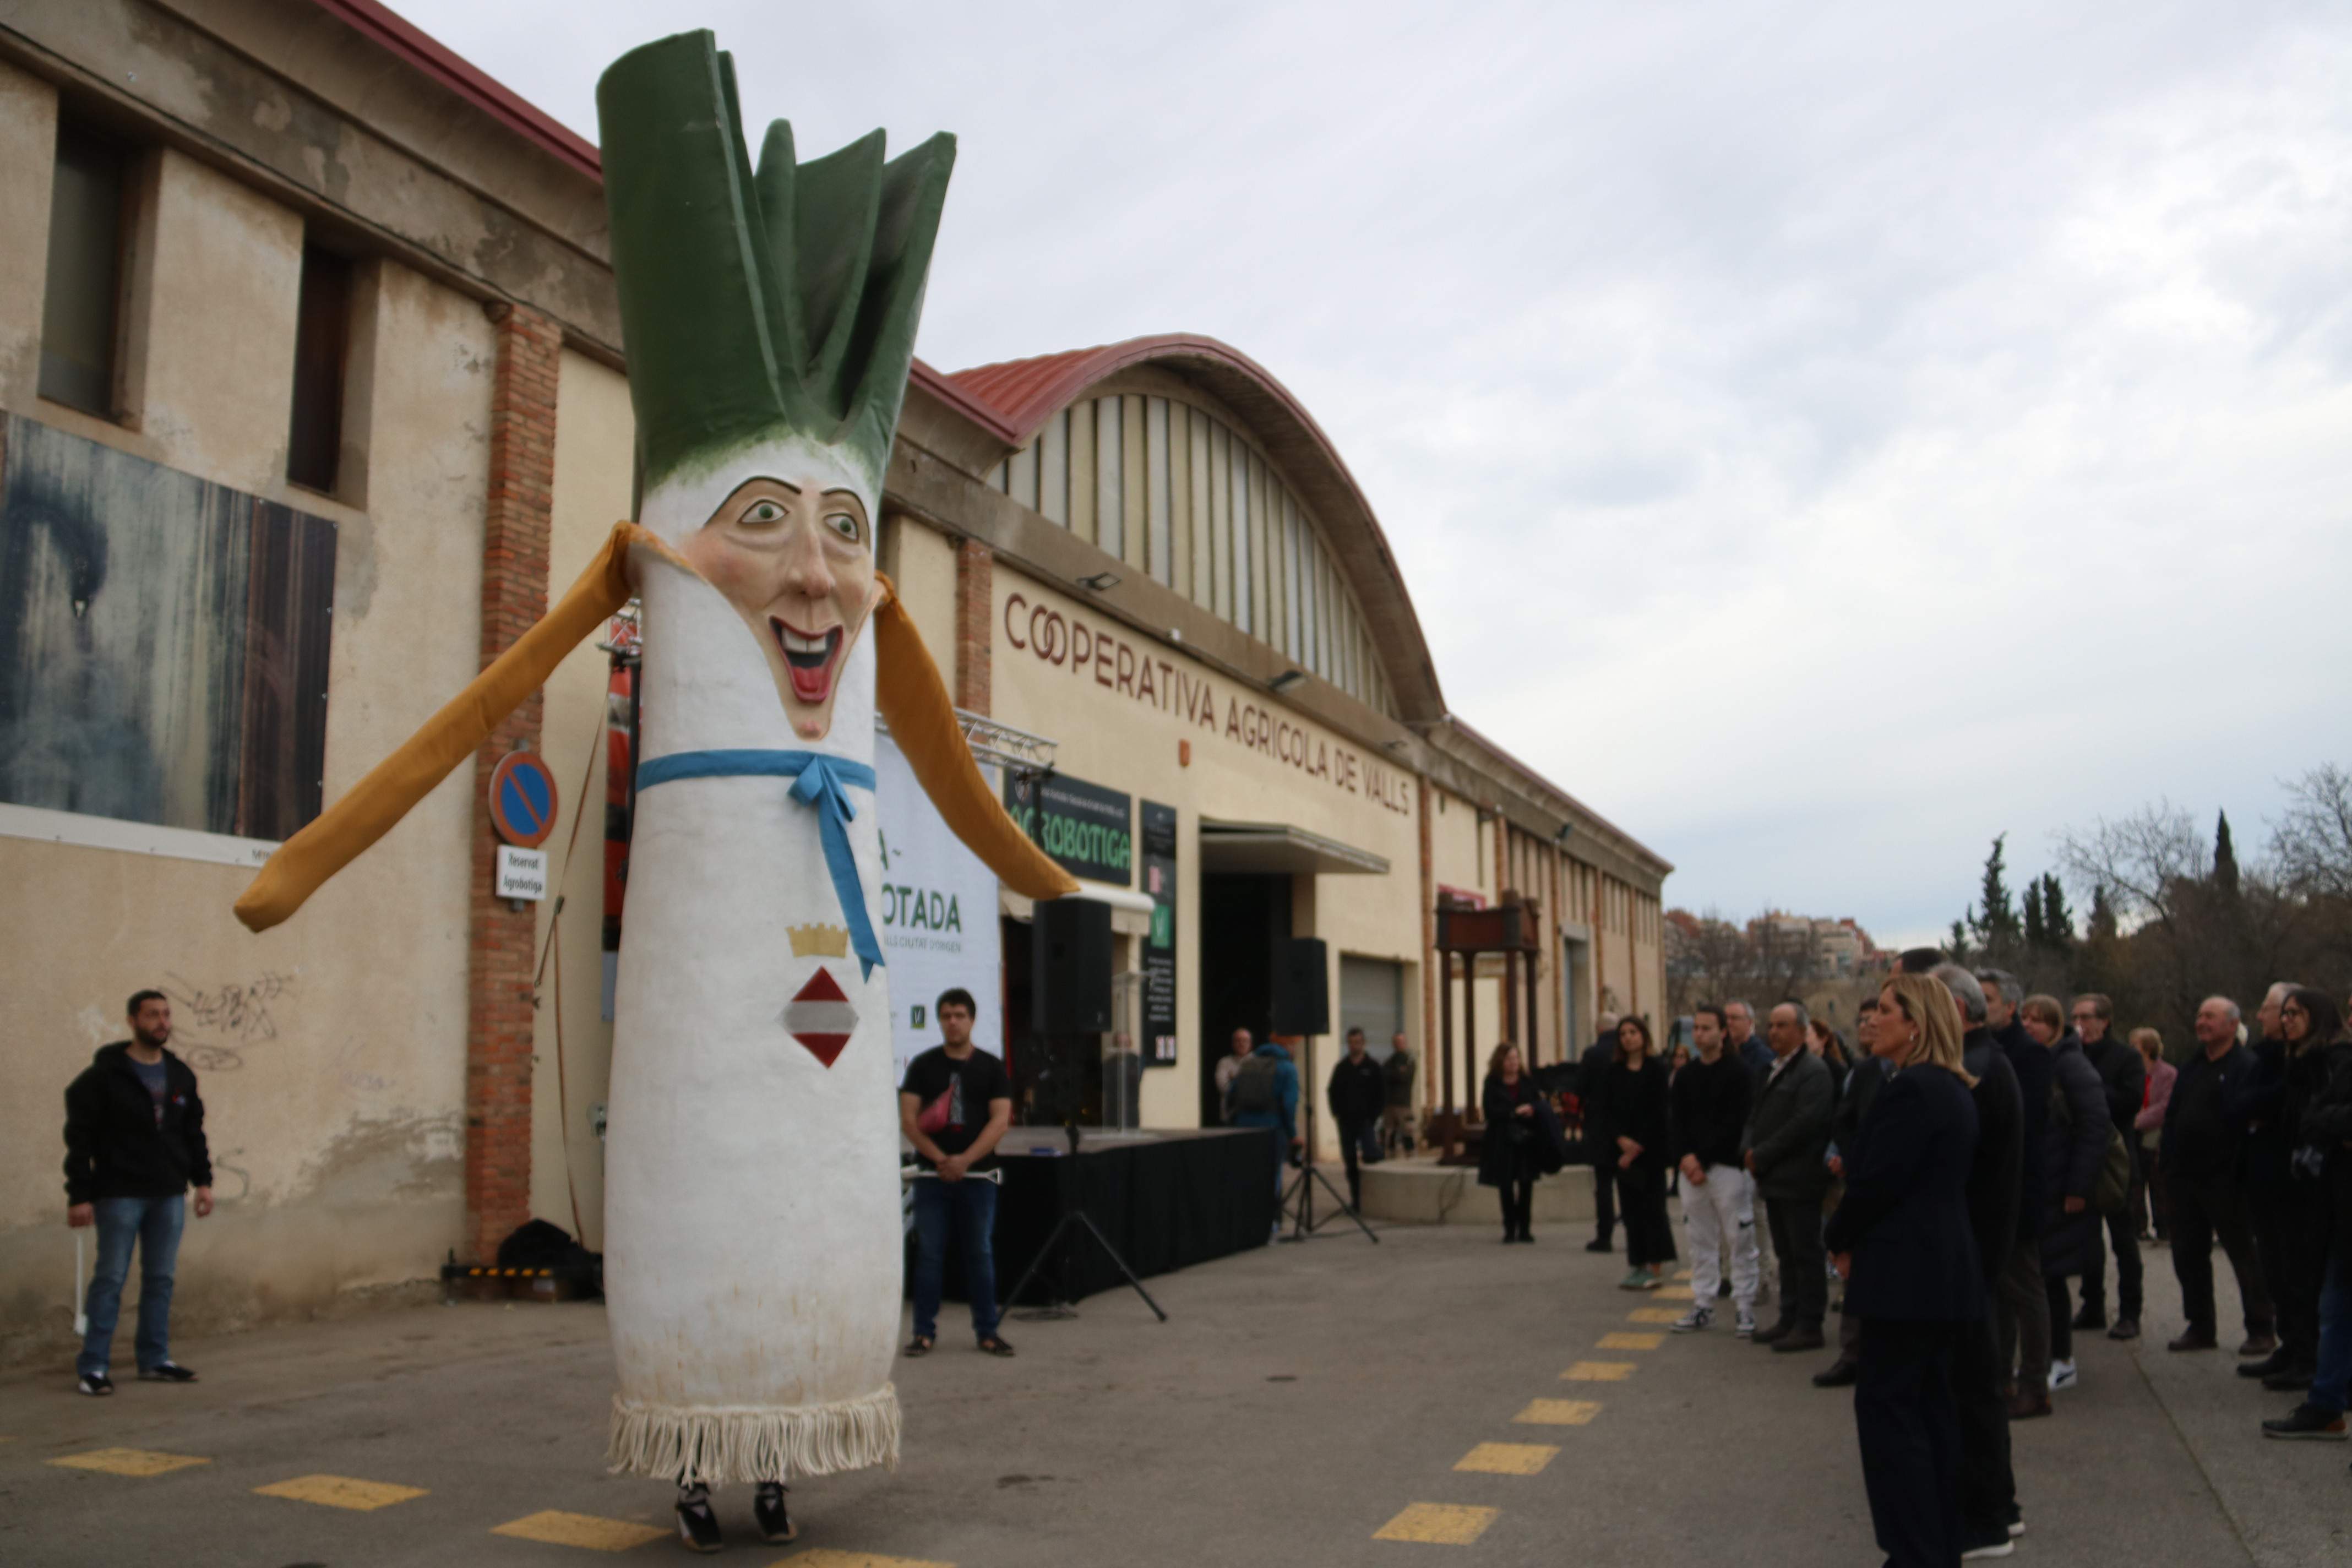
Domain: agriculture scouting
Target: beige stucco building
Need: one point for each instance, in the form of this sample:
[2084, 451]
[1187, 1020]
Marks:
[356, 314]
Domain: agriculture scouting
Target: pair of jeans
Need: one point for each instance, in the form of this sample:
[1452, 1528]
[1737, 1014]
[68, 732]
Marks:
[1519, 1195]
[1908, 1423]
[154, 1224]
[2206, 1207]
[2020, 1309]
[1718, 1211]
[1987, 1477]
[2122, 1238]
[2331, 1385]
[967, 1211]
[1796, 1227]
[1642, 1203]
[1360, 1145]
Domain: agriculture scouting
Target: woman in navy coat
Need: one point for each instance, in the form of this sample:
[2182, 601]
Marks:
[1901, 1239]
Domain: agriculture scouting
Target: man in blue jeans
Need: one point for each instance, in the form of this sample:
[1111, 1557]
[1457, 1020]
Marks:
[135, 1143]
[954, 1105]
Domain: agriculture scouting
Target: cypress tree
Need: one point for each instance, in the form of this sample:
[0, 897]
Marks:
[2225, 860]
[2034, 936]
[2057, 920]
[1999, 922]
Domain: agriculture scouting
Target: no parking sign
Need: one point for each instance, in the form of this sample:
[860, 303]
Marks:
[522, 799]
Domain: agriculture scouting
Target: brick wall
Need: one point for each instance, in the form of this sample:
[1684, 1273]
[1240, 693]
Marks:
[975, 597]
[502, 942]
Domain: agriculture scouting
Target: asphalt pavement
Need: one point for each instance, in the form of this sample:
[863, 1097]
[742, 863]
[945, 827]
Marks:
[1437, 1398]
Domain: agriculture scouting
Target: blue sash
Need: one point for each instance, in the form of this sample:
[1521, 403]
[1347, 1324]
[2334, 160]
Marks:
[819, 780]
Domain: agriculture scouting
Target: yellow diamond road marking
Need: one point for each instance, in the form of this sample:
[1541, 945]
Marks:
[1438, 1524]
[341, 1491]
[1622, 1340]
[128, 1461]
[1507, 1458]
[826, 1557]
[1682, 1274]
[558, 1529]
[1653, 1315]
[1599, 1372]
[1559, 1412]
[1673, 1292]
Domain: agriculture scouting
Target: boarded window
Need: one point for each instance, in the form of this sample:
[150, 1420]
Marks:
[163, 642]
[322, 335]
[80, 313]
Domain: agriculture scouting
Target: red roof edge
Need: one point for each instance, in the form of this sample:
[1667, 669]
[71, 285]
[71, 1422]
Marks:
[388, 29]
[943, 387]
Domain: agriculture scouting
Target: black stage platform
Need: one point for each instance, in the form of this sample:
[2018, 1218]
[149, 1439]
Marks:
[1166, 1200]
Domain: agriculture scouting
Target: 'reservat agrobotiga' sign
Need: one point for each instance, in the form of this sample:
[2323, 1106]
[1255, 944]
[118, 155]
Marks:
[1094, 652]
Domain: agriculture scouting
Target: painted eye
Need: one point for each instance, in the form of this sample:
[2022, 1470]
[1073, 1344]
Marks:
[763, 513]
[842, 523]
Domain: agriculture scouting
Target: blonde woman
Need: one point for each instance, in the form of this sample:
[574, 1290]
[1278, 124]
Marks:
[1902, 1241]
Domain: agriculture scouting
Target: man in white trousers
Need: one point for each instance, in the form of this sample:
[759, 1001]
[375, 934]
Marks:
[1708, 1105]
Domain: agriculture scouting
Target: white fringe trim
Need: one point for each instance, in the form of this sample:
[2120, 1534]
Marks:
[723, 1443]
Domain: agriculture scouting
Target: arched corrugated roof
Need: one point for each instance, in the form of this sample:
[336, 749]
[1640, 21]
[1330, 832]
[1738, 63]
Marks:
[1024, 394]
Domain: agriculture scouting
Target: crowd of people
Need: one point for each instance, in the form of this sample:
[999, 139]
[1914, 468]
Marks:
[1967, 1176]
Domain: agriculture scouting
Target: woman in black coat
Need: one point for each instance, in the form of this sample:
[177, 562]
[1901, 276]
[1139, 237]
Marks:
[1522, 1142]
[1631, 1104]
[1902, 1241]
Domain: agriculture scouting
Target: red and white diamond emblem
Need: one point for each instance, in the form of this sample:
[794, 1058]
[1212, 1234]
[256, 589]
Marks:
[820, 1017]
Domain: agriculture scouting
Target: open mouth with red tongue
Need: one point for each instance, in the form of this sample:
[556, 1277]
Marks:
[808, 659]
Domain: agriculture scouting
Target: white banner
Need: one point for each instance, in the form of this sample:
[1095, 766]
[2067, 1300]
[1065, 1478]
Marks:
[937, 913]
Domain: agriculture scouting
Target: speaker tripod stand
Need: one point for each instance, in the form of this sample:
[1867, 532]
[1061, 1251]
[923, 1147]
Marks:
[1074, 1212]
[1297, 1205]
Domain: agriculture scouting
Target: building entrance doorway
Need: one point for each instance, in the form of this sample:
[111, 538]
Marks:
[1243, 919]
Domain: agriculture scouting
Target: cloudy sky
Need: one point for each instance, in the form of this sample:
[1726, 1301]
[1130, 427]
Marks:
[1818, 437]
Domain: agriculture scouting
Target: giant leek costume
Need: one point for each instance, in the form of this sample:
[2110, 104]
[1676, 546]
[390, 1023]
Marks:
[752, 1211]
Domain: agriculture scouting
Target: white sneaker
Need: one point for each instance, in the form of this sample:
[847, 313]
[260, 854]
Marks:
[2063, 1375]
[1990, 1549]
[1747, 1325]
[1695, 1319]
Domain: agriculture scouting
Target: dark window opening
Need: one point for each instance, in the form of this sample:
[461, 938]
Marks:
[314, 445]
[80, 313]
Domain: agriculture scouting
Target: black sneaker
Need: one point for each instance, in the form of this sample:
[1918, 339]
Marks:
[2091, 1317]
[2293, 1378]
[1598, 1244]
[2307, 1421]
[698, 1526]
[2126, 1328]
[768, 1512]
[166, 1372]
[97, 1385]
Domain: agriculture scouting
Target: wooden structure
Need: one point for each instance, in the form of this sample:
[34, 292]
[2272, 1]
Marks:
[1512, 930]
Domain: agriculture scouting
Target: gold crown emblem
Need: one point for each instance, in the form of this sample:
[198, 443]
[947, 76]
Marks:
[819, 941]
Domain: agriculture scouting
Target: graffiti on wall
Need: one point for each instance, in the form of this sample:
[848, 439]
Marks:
[163, 642]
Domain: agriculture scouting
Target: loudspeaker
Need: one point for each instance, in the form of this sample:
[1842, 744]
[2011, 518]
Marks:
[1069, 967]
[1302, 995]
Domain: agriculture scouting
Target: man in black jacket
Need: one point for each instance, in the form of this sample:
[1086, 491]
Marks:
[1706, 1110]
[2257, 1105]
[1996, 1172]
[2022, 1299]
[2123, 1079]
[1787, 1140]
[1597, 1057]
[1356, 1093]
[2199, 1157]
[134, 1145]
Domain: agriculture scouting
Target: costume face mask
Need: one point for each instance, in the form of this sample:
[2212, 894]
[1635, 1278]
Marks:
[796, 562]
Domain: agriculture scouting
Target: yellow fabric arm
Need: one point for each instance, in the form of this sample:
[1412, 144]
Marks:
[368, 811]
[922, 718]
